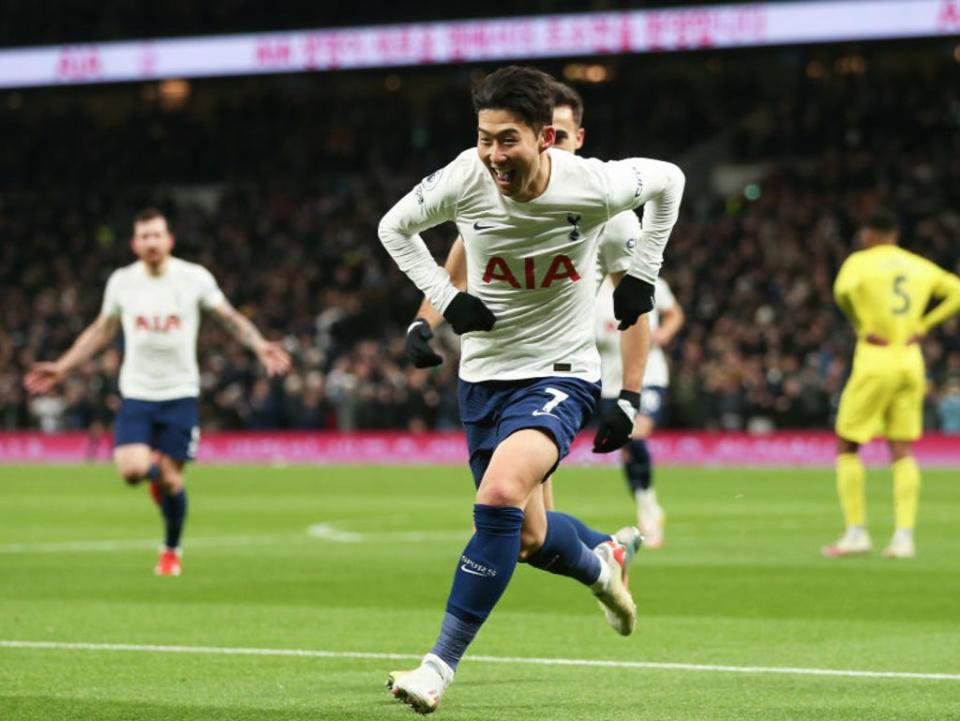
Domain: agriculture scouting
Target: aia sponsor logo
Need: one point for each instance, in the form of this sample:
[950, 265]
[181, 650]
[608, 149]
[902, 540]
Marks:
[158, 323]
[560, 268]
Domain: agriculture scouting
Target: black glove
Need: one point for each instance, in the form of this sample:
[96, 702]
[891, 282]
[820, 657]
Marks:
[467, 313]
[631, 298]
[616, 424]
[418, 345]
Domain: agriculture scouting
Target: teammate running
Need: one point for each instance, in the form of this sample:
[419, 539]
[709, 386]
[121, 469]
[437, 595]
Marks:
[666, 318]
[158, 300]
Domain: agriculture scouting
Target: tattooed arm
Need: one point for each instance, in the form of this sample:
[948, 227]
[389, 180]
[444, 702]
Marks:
[271, 354]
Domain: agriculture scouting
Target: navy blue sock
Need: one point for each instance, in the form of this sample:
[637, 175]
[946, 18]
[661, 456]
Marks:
[589, 536]
[455, 636]
[153, 472]
[483, 572]
[174, 509]
[564, 553]
[639, 468]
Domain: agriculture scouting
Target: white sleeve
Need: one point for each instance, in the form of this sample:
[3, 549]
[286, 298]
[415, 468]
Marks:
[431, 203]
[617, 242]
[658, 187]
[111, 297]
[663, 297]
[210, 294]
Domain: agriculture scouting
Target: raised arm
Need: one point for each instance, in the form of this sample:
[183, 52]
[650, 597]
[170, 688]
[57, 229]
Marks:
[271, 354]
[45, 375]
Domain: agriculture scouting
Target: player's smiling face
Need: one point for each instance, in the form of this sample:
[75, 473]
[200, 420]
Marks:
[513, 153]
[152, 241]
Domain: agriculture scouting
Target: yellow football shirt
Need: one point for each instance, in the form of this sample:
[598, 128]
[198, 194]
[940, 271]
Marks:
[885, 291]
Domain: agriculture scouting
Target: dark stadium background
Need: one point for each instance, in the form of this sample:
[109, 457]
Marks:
[277, 183]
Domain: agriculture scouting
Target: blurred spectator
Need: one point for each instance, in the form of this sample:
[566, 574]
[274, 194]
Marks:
[948, 409]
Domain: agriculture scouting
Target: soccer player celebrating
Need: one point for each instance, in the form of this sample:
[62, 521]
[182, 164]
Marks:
[530, 216]
[618, 239]
[158, 300]
[884, 291]
[666, 318]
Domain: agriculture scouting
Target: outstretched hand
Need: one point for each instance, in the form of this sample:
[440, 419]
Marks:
[274, 358]
[42, 378]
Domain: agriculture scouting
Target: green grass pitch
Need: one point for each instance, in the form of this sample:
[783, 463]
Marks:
[740, 583]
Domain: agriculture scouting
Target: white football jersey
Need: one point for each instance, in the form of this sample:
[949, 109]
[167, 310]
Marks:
[618, 242]
[533, 264]
[608, 340]
[160, 317]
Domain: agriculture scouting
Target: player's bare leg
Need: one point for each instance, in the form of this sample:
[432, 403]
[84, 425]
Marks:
[850, 488]
[906, 492]
[133, 462]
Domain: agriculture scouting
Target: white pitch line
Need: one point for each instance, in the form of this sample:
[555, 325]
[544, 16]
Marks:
[134, 545]
[319, 531]
[527, 661]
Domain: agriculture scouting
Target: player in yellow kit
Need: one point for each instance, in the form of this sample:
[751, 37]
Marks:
[884, 290]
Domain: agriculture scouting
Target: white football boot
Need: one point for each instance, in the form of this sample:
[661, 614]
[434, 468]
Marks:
[901, 545]
[611, 591]
[854, 542]
[423, 687]
[650, 518]
[631, 539]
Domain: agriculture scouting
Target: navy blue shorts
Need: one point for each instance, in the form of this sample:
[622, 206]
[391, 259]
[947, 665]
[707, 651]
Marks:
[171, 427]
[493, 410]
[653, 404]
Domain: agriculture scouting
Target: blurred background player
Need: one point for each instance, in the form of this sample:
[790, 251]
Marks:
[666, 318]
[529, 373]
[617, 242]
[157, 300]
[884, 291]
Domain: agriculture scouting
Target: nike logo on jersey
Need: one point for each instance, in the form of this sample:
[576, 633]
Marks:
[544, 413]
[480, 227]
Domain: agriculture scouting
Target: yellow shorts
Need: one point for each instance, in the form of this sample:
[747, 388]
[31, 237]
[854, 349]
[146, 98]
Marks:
[883, 397]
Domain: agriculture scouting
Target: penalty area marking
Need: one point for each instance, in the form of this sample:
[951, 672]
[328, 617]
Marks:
[518, 660]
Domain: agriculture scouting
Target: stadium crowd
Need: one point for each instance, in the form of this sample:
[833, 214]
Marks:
[283, 206]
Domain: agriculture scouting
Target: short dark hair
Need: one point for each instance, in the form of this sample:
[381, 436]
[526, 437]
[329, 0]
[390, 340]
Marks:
[149, 214]
[526, 91]
[563, 94]
[882, 220]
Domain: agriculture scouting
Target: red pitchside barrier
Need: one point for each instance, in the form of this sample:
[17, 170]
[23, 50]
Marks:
[785, 448]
